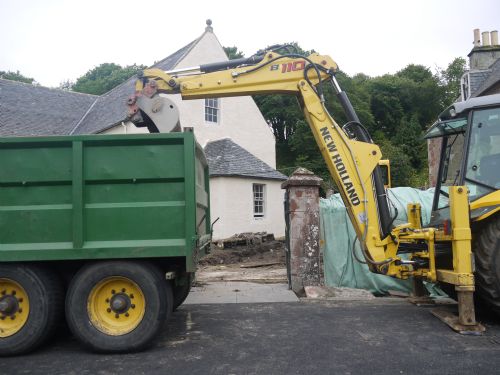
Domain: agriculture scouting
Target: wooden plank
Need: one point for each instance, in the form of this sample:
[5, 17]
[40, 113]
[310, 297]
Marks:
[256, 265]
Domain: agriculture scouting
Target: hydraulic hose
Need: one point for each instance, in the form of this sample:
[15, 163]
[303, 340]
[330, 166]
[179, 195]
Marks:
[362, 135]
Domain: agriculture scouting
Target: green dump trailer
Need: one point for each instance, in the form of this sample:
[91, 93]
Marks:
[106, 229]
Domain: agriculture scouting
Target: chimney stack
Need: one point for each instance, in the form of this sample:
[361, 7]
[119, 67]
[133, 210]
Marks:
[477, 38]
[485, 51]
[494, 38]
[486, 38]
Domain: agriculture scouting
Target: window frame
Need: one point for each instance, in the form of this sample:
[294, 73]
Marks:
[212, 105]
[259, 201]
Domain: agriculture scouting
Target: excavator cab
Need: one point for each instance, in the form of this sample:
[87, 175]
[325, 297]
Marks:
[470, 153]
[470, 156]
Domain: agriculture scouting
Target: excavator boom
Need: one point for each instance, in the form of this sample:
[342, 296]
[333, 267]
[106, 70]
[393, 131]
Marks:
[304, 77]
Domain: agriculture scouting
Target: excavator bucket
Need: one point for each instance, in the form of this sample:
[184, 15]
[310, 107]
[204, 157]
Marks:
[159, 114]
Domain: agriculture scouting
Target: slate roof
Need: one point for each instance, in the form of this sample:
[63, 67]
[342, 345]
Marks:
[492, 78]
[35, 110]
[227, 159]
[476, 80]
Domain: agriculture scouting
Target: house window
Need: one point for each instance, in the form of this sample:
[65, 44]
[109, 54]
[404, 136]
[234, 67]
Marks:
[258, 200]
[212, 110]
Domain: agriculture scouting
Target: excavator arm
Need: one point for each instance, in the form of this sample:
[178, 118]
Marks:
[348, 151]
[350, 155]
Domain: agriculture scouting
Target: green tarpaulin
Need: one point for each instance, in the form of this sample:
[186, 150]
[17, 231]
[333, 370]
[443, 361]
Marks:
[337, 238]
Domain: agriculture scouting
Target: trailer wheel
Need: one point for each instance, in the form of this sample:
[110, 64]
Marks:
[487, 259]
[31, 301]
[182, 291]
[118, 306]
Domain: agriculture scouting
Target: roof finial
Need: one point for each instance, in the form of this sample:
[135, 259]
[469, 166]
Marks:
[209, 26]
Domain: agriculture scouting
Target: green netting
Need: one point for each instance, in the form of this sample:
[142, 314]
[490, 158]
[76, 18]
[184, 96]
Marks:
[337, 238]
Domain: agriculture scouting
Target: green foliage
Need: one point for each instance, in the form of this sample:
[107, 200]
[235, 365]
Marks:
[416, 73]
[400, 162]
[233, 53]
[450, 80]
[408, 137]
[282, 122]
[16, 76]
[105, 77]
[412, 91]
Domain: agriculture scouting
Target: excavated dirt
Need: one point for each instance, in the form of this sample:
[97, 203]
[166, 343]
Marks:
[263, 262]
[273, 251]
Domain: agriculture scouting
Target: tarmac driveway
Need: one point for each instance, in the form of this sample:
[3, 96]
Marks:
[362, 337]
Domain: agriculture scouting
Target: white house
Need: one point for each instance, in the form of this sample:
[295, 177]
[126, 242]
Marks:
[245, 187]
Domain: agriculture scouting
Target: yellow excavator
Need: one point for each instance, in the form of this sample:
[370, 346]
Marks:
[440, 252]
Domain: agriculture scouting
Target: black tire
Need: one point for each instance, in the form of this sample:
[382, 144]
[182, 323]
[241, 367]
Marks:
[157, 294]
[45, 297]
[182, 291]
[487, 258]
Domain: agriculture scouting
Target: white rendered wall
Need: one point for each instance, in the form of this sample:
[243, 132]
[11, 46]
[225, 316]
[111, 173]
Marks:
[240, 119]
[231, 199]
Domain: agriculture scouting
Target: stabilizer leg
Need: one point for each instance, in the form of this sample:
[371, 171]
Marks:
[465, 323]
[462, 275]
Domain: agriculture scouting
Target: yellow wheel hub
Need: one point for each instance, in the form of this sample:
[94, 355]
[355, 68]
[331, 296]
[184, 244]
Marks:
[14, 307]
[116, 305]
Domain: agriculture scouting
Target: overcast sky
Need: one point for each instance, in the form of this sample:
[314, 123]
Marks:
[56, 40]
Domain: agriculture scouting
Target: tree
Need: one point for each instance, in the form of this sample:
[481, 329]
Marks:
[416, 73]
[408, 138]
[386, 106]
[16, 76]
[66, 85]
[233, 53]
[450, 80]
[105, 77]
[421, 93]
[401, 173]
[413, 90]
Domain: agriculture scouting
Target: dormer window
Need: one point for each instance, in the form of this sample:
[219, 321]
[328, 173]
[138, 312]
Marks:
[212, 110]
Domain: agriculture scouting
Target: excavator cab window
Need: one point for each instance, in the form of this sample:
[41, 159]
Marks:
[452, 156]
[479, 167]
[451, 164]
[482, 172]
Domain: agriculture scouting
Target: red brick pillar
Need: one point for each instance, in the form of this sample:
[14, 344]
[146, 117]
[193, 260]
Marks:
[303, 203]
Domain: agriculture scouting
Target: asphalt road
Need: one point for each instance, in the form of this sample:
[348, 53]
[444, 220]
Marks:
[377, 337]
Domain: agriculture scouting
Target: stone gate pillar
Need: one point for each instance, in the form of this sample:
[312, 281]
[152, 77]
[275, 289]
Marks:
[303, 238]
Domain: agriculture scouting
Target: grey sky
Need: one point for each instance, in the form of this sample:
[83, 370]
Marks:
[55, 40]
